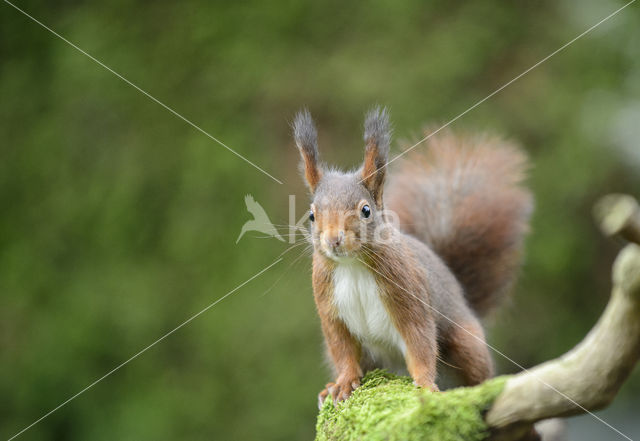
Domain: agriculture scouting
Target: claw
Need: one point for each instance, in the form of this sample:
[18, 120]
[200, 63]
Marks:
[432, 387]
[339, 391]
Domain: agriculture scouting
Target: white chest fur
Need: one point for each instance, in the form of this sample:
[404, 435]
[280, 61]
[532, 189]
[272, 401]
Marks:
[357, 299]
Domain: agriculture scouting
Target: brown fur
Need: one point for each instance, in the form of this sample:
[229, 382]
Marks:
[410, 313]
[343, 349]
[306, 138]
[373, 180]
[466, 215]
[462, 196]
[465, 349]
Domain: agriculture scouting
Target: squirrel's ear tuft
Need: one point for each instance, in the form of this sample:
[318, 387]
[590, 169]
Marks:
[377, 138]
[306, 137]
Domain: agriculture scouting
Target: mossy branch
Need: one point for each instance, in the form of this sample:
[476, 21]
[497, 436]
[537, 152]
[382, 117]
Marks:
[387, 407]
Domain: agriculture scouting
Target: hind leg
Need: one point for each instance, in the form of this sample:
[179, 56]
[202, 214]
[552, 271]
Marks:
[467, 350]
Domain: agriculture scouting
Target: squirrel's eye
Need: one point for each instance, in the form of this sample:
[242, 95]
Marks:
[311, 216]
[366, 211]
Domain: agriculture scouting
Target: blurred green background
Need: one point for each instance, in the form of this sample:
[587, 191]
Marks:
[119, 220]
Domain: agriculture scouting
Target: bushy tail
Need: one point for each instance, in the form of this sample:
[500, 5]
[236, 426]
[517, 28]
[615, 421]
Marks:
[463, 197]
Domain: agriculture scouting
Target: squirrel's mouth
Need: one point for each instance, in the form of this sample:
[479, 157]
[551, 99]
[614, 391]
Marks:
[340, 253]
[338, 244]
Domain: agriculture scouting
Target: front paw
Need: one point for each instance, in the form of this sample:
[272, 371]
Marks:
[426, 384]
[340, 390]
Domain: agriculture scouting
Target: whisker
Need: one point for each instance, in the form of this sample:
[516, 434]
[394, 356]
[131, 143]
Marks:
[267, 236]
[286, 271]
[441, 360]
[294, 246]
[295, 227]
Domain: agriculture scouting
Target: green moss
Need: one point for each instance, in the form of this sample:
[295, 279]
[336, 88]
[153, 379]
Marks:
[389, 407]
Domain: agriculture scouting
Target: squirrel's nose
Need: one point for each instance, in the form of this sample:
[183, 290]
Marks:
[334, 240]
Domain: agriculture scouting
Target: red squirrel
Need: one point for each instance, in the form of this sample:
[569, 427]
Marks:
[406, 293]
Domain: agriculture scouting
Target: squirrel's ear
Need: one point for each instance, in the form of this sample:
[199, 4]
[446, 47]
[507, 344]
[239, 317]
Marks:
[304, 132]
[377, 137]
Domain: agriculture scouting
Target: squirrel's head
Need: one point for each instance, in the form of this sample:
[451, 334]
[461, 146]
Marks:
[346, 211]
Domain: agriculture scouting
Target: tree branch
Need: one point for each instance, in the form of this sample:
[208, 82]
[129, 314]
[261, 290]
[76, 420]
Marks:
[619, 215]
[589, 376]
